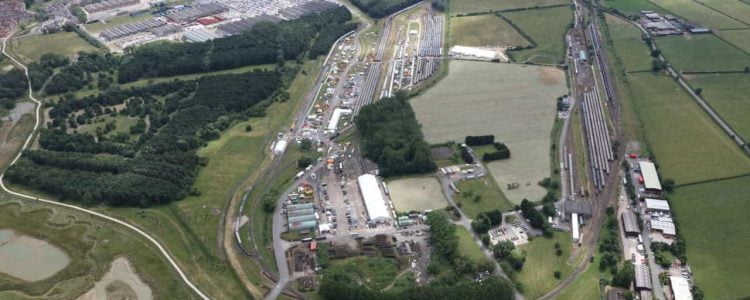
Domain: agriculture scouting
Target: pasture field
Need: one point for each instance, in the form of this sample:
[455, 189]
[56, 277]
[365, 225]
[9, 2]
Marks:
[486, 188]
[478, 6]
[702, 53]
[537, 275]
[514, 102]
[546, 27]
[735, 9]
[586, 286]
[374, 272]
[632, 7]
[728, 95]
[467, 246]
[75, 234]
[694, 151]
[713, 220]
[31, 48]
[738, 38]
[416, 193]
[694, 11]
[634, 53]
[484, 31]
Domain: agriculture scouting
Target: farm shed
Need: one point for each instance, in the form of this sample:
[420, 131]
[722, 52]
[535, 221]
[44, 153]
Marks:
[304, 218]
[657, 205]
[292, 207]
[650, 177]
[373, 198]
[630, 224]
[642, 277]
[301, 212]
[300, 226]
[680, 288]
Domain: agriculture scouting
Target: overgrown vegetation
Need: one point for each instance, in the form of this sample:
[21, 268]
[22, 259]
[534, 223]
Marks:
[12, 86]
[382, 8]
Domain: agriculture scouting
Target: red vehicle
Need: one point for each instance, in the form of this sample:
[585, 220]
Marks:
[633, 155]
[640, 178]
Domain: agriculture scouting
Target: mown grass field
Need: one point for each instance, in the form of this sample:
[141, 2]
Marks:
[738, 38]
[546, 27]
[467, 246]
[728, 95]
[713, 220]
[416, 193]
[537, 275]
[32, 47]
[702, 53]
[632, 7]
[484, 31]
[514, 102]
[633, 51]
[486, 188]
[694, 151]
[474, 6]
[586, 286]
[694, 11]
[75, 233]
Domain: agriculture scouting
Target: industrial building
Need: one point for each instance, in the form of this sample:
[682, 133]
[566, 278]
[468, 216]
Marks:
[642, 277]
[196, 12]
[575, 227]
[280, 147]
[165, 30]
[630, 224]
[337, 114]
[680, 288]
[463, 51]
[581, 208]
[650, 177]
[665, 226]
[294, 12]
[123, 30]
[373, 198]
[657, 206]
[111, 8]
[301, 217]
[240, 26]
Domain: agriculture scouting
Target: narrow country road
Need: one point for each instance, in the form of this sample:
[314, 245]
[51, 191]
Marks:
[38, 104]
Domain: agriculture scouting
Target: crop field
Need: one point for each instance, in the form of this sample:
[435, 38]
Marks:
[547, 28]
[417, 193]
[633, 51]
[514, 102]
[728, 95]
[484, 31]
[474, 6]
[694, 151]
[734, 9]
[713, 220]
[738, 38]
[702, 53]
[31, 48]
[490, 196]
[467, 246]
[74, 233]
[632, 7]
[694, 11]
[537, 275]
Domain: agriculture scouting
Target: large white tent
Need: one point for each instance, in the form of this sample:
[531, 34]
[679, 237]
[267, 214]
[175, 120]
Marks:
[373, 198]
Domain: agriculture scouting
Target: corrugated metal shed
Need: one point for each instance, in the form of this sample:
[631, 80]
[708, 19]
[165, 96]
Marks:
[301, 212]
[299, 226]
[657, 204]
[650, 177]
[299, 206]
[642, 277]
[630, 223]
[302, 218]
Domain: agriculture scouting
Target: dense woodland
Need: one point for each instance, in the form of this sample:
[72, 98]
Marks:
[392, 138]
[12, 86]
[382, 8]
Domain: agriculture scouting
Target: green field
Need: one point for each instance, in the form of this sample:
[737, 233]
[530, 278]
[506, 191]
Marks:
[694, 11]
[486, 188]
[735, 9]
[702, 53]
[546, 27]
[484, 31]
[586, 286]
[728, 95]
[713, 220]
[467, 246]
[514, 102]
[632, 7]
[474, 6]
[738, 38]
[374, 272]
[416, 194]
[91, 243]
[31, 48]
[541, 263]
[634, 53]
[694, 151]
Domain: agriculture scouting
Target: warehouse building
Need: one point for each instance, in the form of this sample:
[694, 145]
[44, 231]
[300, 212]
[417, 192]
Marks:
[373, 198]
[336, 117]
[301, 217]
[196, 12]
[665, 226]
[462, 51]
[680, 288]
[650, 177]
[124, 30]
[657, 206]
[199, 35]
[630, 224]
[108, 9]
[642, 277]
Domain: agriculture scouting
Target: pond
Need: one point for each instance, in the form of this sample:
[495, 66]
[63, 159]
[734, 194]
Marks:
[28, 258]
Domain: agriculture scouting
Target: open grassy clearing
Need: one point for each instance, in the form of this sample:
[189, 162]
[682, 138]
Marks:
[713, 220]
[537, 275]
[31, 48]
[546, 27]
[122, 123]
[634, 53]
[491, 197]
[467, 246]
[476, 6]
[694, 11]
[374, 272]
[416, 193]
[75, 233]
[702, 53]
[738, 38]
[632, 7]
[728, 95]
[586, 286]
[484, 31]
[516, 103]
[14, 135]
[734, 9]
[697, 149]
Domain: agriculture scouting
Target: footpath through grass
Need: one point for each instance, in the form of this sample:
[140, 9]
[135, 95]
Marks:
[713, 220]
[546, 27]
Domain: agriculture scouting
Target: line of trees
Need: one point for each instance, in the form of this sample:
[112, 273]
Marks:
[535, 217]
[382, 8]
[392, 137]
[479, 140]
